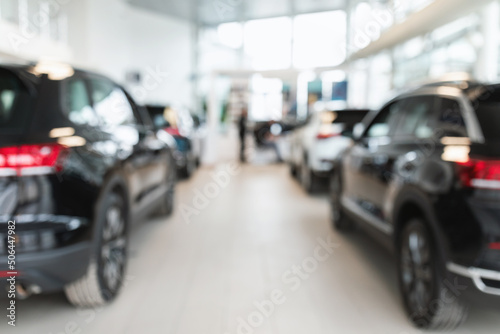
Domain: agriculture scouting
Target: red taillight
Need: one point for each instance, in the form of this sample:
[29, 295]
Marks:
[173, 131]
[327, 135]
[483, 174]
[495, 246]
[31, 159]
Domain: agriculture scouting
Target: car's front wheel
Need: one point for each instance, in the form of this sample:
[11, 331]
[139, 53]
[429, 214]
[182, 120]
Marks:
[108, 261]
[428, 301]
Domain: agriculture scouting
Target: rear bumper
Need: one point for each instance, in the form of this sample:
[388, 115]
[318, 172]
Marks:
[51, 251]
[51, 270]
[485, 281]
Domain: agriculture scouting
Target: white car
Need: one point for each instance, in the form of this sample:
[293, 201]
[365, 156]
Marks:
[319, 141]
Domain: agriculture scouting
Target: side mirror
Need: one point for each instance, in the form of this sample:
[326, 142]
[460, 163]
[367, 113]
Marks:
[358, 131]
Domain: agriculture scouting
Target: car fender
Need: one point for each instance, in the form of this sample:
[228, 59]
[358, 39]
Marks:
[411, 195]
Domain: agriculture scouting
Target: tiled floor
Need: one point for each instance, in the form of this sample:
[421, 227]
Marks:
[216, 272]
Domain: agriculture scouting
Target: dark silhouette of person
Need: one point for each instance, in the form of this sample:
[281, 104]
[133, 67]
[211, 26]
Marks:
[242, 129]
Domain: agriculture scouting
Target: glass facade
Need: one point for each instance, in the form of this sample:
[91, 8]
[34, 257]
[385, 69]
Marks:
[36, 17]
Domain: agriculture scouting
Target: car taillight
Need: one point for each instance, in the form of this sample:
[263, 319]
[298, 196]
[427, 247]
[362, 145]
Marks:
[482, 174]
[494, 246]
[31, 159]
[327, 135]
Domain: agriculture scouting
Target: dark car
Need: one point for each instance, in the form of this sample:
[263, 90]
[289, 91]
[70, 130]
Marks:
[79, 163]
[424, 179]
[187, 132]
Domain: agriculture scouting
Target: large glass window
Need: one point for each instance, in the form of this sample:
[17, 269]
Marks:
[266, 102]
[9, 10]
[268, 43]
[319, 39]
[231, 34]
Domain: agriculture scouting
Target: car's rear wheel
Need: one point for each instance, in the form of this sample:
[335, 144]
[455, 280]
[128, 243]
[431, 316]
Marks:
[293, 170]
[108, 261]
[428, 301]
[338, 218]
[307, 178]
[167, 205]
[190, 167]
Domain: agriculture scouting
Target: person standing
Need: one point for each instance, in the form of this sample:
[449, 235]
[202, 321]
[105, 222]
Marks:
[242, 128]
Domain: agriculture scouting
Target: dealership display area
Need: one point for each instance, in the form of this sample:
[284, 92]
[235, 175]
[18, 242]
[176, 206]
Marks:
[251, 267]
[249, 167]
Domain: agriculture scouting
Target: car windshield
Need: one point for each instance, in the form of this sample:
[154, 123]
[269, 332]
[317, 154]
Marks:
[16, 104]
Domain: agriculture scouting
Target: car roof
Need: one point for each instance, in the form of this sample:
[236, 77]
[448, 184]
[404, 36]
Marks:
[27, 69]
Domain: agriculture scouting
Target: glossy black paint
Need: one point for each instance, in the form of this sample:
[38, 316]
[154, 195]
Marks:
[55, 212]
[386, 180]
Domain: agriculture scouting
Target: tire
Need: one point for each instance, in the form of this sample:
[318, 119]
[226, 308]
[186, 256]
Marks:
[189, 169]
[429, 303]
[338, 218]
[167, 207]
[293, 170]
[307, 178]
[108, 262]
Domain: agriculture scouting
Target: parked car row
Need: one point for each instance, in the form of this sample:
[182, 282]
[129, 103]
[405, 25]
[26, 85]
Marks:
[80, 162]
[422, 176]
[188, 132]
[318, 141]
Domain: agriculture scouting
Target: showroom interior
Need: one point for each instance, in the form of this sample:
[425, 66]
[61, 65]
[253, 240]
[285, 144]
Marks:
[254, 110]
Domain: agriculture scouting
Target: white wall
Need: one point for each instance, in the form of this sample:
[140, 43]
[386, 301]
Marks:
[113, 37]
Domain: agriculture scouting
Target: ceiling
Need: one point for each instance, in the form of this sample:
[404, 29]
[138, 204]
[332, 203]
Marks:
[212, 12]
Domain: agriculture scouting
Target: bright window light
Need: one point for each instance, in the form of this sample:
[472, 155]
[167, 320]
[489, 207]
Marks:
[266, 102]
[231, 35]
[319, 39]
[268, 43]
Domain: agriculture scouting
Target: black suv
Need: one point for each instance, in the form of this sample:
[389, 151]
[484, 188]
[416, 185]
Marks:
[79, 161]
[424, 179]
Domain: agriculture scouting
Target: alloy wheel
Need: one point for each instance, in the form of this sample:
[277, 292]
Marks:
[417, 276]
[114, 248]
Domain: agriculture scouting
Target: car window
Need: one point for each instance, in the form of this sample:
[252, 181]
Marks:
[385, 122]
[111, 103]
[451, 121]
[417, 120]
[16, 104]
[78, 103]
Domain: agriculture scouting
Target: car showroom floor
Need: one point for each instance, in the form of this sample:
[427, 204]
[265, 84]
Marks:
[228, 268]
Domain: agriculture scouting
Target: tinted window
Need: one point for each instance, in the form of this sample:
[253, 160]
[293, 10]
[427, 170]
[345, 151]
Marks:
[157, 115]
[385, 122]
[350, 117]
[16, 104]
[111, 104]
[417, 120]
[78, 103]
[487, 109]
[451, 122]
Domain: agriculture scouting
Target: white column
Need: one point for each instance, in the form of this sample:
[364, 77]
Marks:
[487, 62]
[210, 153]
